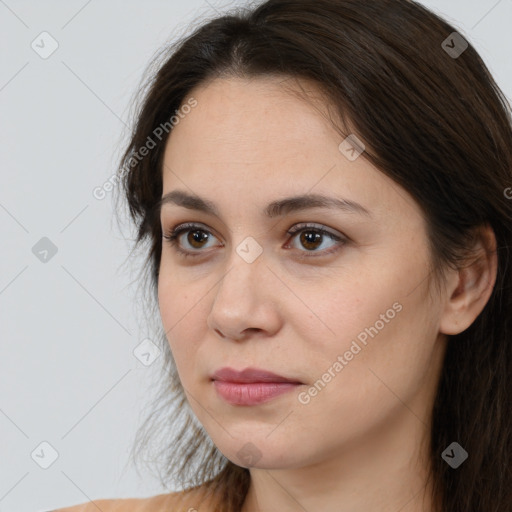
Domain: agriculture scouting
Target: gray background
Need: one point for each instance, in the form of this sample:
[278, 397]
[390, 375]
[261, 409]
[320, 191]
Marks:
[69, 325]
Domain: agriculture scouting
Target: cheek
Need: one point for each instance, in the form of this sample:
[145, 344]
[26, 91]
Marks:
[378, 318]
[382, 354]
[183, 314]
[345, 308]
[175, 297]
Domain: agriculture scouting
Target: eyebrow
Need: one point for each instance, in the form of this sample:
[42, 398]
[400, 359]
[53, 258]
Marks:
[274, 209]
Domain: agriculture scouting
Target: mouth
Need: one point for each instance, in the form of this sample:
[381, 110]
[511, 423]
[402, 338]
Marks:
[251, 386]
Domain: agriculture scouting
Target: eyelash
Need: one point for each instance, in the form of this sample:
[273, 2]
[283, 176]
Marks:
[173, 235]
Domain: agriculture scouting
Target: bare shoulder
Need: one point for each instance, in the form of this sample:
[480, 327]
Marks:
[191, 500]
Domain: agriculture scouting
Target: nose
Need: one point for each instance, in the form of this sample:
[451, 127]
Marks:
[246, 301]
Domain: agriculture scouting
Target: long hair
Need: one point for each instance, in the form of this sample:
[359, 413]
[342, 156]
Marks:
[433, 119]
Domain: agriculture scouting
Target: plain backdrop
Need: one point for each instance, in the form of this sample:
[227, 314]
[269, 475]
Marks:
[71, 388]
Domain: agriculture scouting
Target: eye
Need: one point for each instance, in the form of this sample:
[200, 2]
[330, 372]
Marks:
[196, 235]
[311, 235]
[311, 238]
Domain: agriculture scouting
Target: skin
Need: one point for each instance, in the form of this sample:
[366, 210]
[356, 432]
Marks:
[361, 443]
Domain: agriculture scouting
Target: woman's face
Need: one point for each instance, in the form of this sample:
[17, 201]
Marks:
[349, 318]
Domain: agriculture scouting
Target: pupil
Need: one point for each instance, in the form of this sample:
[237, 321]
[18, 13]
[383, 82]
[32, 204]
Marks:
[311, 238]
[198, 236]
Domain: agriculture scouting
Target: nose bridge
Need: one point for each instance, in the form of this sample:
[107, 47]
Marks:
[246, 269]
[239, 302]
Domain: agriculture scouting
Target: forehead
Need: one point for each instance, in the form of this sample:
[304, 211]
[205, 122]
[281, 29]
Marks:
[241, 116]
[261, 139]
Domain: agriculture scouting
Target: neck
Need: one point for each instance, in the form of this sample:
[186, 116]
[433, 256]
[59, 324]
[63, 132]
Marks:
[385, 471]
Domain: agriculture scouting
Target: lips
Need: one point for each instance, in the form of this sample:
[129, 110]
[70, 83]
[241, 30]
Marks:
[250, 375]
[251, 386]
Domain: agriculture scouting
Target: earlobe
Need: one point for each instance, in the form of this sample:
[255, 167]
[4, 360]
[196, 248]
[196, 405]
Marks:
[470, 287]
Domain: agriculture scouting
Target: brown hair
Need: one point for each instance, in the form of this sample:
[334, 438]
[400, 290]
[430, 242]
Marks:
[434, 122]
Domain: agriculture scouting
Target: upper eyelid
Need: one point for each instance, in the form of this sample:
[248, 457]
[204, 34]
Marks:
[298, 226]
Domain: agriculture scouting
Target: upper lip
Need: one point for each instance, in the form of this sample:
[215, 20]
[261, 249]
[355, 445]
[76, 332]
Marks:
[250, 375]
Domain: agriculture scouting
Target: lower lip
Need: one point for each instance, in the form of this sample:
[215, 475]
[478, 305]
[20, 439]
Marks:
[251, 393]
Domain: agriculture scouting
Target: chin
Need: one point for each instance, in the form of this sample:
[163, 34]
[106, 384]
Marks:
[259, 452]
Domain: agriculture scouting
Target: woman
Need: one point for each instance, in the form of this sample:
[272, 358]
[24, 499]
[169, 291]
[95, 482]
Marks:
[325, 188]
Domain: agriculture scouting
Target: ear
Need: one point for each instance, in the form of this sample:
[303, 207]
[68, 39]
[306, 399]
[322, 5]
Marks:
[469, 288]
